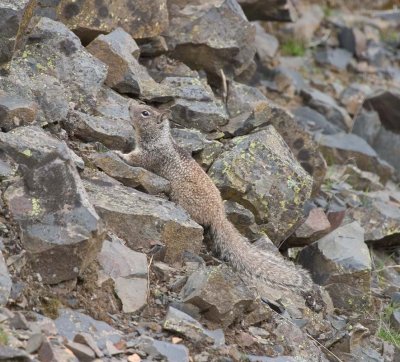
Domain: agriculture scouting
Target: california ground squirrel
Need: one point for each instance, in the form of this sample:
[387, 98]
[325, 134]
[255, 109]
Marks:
[193, 189]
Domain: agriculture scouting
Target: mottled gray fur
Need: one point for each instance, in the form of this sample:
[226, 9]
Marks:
[192, 189]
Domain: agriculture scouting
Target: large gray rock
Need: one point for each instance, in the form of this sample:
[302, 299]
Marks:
[250, 110]
[261, 173]
[218, 293]
[141, 219]
[50, 206]
[125, 74]
[15, 16]
[266, 44]
[341, 262]
[211, 35]
[342, 147]
[55, 70]
[140, 18]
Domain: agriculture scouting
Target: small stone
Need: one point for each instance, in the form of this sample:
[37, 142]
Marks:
[132, 292]
[81, 351]
[336, 58]
[180, 322]
[87, 339]
[5, 281]
[266, 44]
[395, 320]
[316, 226]
[134, 358]
[111, 349]
[163, 271]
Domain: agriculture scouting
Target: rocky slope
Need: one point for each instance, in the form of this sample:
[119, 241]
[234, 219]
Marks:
[293, 109]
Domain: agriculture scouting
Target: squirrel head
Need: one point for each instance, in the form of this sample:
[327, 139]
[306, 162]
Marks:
[150, 124]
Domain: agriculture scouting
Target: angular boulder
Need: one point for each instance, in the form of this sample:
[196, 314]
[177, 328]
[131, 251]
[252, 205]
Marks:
[342, 147]
[218, 293]
[341, 262]
[269, 10]
[140, 18]
[125, 74]
[211, 35]
[261, 173]
[55, 71]
[251, 110]
[142, 219]
[50, 206]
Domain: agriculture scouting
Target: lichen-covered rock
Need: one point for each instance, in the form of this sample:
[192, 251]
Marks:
[53, 70]
[140, 18]
[341, 262]
[141, 219]
[5, 281]
[125, 74]
[251, 110]
[50, 206]
[219, 294]
[261, 173]
[128, 175]
[15, 16]
[114, 133]
[211, 35]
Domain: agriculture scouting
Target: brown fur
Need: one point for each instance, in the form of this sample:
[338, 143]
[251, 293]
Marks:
[192, 189]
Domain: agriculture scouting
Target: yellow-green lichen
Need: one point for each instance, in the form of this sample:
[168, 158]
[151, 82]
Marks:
[36, 208]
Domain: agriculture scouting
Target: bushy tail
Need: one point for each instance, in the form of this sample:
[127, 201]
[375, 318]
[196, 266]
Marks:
[258, 265]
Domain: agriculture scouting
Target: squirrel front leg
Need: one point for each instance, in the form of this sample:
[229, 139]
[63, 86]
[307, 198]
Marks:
[133, 158]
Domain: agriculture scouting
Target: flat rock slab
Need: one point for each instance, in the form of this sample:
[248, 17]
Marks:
[261, 173]
[16, 111]
[50, 205]
[142, 219]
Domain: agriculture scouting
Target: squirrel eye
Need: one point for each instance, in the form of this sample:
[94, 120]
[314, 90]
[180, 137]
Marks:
[145, 113]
